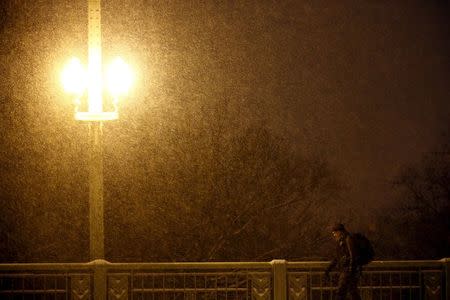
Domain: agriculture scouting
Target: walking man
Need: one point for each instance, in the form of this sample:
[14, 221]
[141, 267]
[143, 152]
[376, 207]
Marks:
[346, 263]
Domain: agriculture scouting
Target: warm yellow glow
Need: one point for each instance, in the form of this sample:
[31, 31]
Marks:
[73, 77]
[119, 78]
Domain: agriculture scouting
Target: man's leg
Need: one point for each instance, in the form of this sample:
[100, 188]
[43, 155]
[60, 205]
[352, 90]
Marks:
[342, 287]
[353, 286]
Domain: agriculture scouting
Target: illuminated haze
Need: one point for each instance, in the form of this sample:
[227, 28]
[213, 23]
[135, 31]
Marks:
[361, 84]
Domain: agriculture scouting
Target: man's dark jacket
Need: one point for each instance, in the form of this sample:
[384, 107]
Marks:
[345, 257]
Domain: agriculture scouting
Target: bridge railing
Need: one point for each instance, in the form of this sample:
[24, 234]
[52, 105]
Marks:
[278, 279]
[380, 280]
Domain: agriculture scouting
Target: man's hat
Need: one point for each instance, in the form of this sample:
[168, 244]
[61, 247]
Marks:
[338, 227]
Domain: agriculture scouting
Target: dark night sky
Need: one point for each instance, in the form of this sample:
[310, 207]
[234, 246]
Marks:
[364, 83]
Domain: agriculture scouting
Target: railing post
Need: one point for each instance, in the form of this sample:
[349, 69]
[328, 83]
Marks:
[446, 262]
[279, 271]
[99, 279]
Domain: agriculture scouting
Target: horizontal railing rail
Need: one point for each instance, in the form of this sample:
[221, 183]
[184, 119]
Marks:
[279, 280]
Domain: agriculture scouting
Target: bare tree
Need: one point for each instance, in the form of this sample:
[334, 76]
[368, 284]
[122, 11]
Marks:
[228, 196]
[423, 214]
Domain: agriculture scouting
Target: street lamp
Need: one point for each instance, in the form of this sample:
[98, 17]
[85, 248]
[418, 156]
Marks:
[75, 79]
[90, 107]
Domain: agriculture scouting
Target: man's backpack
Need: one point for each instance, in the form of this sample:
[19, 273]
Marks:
[364, 249]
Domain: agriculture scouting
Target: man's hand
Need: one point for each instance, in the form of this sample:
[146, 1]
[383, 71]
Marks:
[327, 275]
[351, 270]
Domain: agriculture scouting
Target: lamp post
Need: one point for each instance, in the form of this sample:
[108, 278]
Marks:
[91, 108]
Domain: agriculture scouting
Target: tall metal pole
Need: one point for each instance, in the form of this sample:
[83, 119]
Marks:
[96, 226]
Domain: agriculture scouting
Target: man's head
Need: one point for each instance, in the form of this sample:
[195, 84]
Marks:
[338, 231]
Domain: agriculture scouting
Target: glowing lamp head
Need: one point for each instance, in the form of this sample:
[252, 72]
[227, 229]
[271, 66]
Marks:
[119, 77]
[73, 77]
